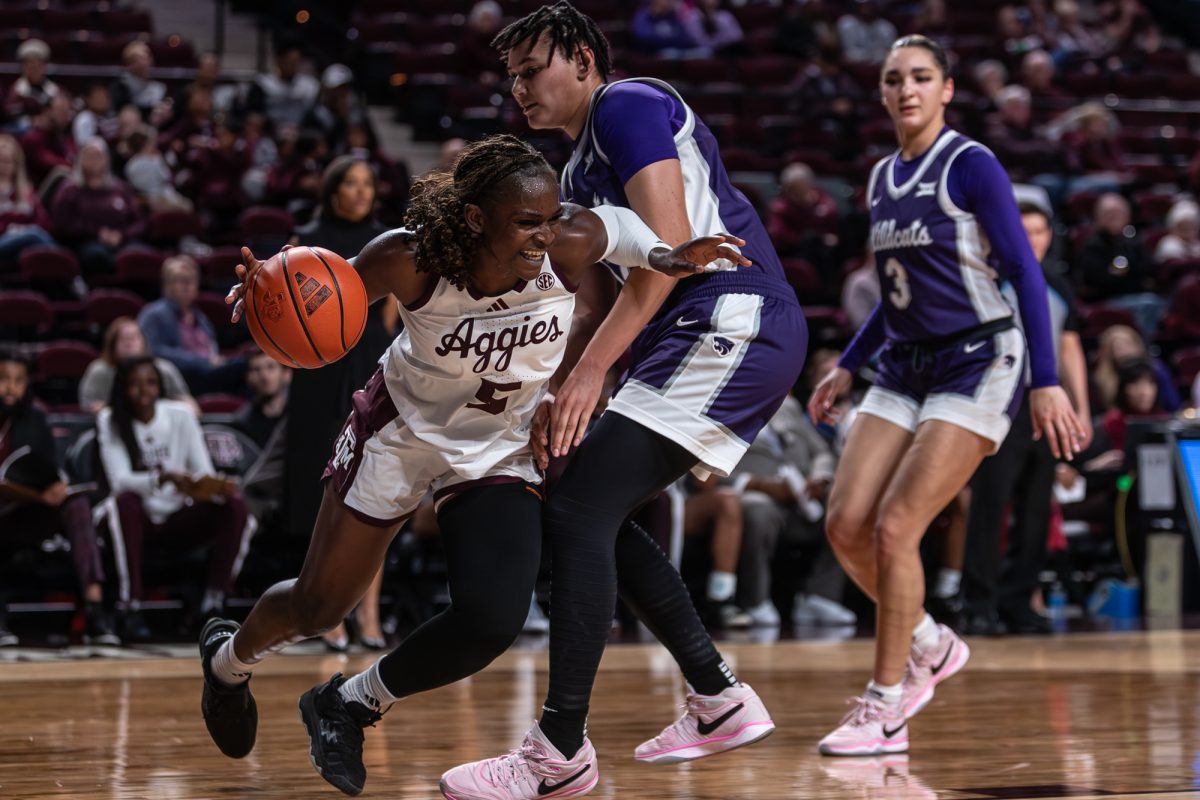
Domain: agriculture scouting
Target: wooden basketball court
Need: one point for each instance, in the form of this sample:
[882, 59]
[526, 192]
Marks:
[1081, 716]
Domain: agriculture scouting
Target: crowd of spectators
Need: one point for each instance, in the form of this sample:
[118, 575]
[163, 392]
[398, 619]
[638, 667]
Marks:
[173, 173]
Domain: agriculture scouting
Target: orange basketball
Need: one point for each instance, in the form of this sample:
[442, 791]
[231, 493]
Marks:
[306, 307]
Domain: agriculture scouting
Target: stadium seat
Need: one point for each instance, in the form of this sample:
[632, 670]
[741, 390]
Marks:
[140, 265]
[1187, 365]
[102, 306]
[63, 360]
[265, 221]
[25, 313]
[1176, 270]
[1099, 318]
[124, 21]
[802, 277]
[217, 268]
[166, 228]
[218, 403]
[46, 263]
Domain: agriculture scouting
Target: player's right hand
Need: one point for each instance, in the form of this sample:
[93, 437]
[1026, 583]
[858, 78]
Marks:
[820, 405]
[245, 272]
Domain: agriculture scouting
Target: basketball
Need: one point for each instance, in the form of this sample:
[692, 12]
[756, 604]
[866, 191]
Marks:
[306, 307]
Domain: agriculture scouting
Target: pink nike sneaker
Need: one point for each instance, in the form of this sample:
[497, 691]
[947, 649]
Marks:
[927, 670]
[710, 724]
[533, 771]
[870, 729]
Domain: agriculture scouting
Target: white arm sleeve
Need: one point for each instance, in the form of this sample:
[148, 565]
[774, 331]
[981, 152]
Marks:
[630, 240]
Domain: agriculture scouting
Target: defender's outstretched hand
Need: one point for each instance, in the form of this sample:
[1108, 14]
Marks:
[697, 256]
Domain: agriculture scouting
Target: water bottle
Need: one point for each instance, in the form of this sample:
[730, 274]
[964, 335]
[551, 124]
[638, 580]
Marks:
[1056, 604]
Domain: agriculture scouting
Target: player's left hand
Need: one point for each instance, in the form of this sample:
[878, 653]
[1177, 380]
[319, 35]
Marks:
[539, 432]
[697, 256]
[573, 407]
[1054, 418]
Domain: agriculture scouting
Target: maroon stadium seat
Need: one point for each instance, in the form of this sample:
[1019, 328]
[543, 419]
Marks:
[25, 311]
[102, 306]
[802, 276]
[265, 221]
[1187, 365]
[217, 268]
[168, 227]
[1099, 318]
[139, 265]
[48, 263]
[64, 360]
[220, 403]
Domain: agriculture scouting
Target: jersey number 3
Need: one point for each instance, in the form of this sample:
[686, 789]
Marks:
[900, 296]
[489, 403]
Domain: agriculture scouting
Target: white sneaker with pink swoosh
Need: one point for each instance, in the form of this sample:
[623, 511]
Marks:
[710, 724]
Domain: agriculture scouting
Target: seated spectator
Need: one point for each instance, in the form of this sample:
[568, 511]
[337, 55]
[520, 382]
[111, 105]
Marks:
[1037, 75]
[803, 217]
[208, 79]
[1120, 344]
[48, 145]
[991, 77]
[1137, 396]
[861, 292]
[123, 340]
[96, 118]
[179, 332]
[783, 480]
[156, 461]
[658, 29]
[1012, 136]
[30, 93]
[149, 174]
[215, 171]
[865, 36]
[391, 176]
[714, 29]
[295, 179]
[801, 29]
[931, 20]
[715, 511]
[193, 128]
[129, 121]
[475, 49]
[95, 212]
[23, 221]
[1113, 262]
[1129, 26]
[824, 93]
[135, 87]
[1016, 38]
[1073, 40]
[335, 106]
[1183, 233]
[262, 153]
[38, 514]
[268, 381]
[287, 93]
[1090, 142]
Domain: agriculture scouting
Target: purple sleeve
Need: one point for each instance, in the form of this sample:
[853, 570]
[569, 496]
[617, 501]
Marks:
[978, 184]
[866, 342]
[629, 146]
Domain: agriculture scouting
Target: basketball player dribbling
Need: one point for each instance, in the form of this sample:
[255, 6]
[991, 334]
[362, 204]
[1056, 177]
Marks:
[950, 381]
[485, 275]
[712, 360]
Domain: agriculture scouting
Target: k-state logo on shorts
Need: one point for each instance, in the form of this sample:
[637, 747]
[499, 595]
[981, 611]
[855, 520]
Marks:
[544, 281]
[722, 345]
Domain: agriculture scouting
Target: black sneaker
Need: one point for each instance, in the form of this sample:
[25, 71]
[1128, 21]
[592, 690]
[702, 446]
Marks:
[1026, 621]
[229, 711]
[98, 626]
[335, 734]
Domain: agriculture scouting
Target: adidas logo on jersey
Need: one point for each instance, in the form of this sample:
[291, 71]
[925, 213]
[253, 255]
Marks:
[500, 343]
[884, 235]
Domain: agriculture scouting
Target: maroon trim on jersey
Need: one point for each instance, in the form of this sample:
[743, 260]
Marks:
[478, 295]
[449, 492]
[371, 409]
[567, 283]
[425, 295]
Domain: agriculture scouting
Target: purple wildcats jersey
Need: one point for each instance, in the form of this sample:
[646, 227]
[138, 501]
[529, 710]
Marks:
[931, 255]
[637, 122]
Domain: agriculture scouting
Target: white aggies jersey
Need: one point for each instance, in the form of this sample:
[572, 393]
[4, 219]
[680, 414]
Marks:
[468, 371]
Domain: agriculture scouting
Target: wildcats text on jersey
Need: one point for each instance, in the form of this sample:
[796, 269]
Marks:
[884, 235]
[502, 343]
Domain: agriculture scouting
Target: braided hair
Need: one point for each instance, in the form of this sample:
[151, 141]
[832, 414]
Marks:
[568, 28]
[445, 245]
[122, 414]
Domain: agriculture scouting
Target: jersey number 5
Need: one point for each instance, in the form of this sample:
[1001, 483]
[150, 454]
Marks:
[900, 296]
[489, 403]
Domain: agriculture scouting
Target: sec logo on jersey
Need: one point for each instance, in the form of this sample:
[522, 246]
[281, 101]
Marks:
[544, 281]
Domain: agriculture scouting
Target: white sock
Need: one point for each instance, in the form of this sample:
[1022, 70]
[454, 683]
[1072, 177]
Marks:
[721, 586]
[228, 668]
[368, 689]
[948, 581]
[926, 635]
[886, 695]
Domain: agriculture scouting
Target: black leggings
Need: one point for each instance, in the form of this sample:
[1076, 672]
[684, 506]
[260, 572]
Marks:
[492, 538]
[619, 466]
